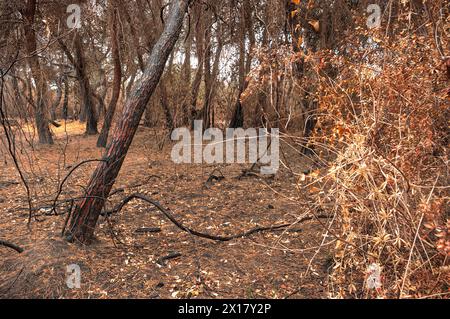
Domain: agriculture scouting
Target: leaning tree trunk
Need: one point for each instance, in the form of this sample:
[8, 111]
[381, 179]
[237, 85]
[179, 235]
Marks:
[103, 138]
[43, 131]
[85, 215]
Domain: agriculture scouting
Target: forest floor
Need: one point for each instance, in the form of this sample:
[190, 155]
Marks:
[125, 263]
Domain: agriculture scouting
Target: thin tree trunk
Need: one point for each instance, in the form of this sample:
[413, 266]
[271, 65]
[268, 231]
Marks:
[87, 108]
[85, 215]
[65, 108]
[41, 119]
[199, 45]
[245, 62]
[210, 89]
[137, 49]
[149, 120]
[100, 97]
[187, 78]
[165, 105]
[237, 119]
[85, 89]
[103, 138]
[130, 84]
[57, 100]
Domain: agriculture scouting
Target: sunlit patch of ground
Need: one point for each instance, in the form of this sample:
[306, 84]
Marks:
[66, 127]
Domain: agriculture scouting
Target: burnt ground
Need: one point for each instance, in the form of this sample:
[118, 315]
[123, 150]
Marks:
[123, 263]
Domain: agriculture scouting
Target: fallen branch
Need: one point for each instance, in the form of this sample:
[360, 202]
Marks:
[213, 177]
[11, 245]
[145, 230]
[162, 260]
[7, 184]
[54, 123]
[186, 229]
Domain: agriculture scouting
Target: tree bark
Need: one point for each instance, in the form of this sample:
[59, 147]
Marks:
[103, 138]
[85, 215]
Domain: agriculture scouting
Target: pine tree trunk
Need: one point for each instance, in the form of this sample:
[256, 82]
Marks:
[163, 98]
[65, 107]
[85, 215]
[187, 78]
[200, 48]
[237, 118]
[85, 89]
[103, 138]
[41, 119]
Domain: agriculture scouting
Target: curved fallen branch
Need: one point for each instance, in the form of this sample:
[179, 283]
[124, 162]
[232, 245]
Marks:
[162, 260]
[11, 245]
[186, 229]
[60, 188]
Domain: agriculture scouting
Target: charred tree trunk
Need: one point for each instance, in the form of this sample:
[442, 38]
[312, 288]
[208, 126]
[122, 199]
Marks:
[207, 78]
[199, 45]
[210, 84]
[312, 43]
[164, 100]
[137, 49]
[41, 119]
[85, 215]
[187, 79]
[149, 119]
[87, 108]
[245, 62]
[101, 95]
[85, 89]
[101, 107]
[20, 99]
[103, 138]
[237, 119]
[65, 107]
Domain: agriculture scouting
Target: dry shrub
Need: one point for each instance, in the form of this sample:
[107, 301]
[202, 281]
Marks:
[384, 127]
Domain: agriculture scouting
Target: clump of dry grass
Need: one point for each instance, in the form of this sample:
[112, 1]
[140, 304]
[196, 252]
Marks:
[386, 135]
